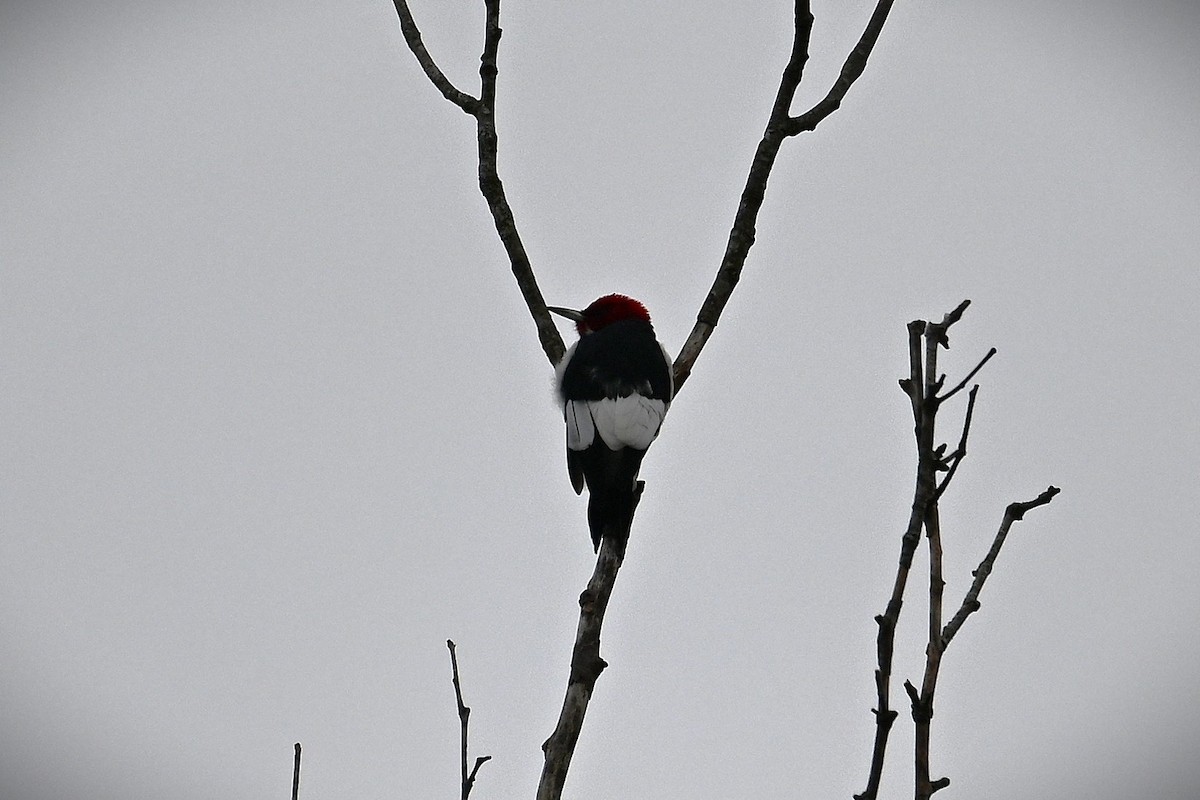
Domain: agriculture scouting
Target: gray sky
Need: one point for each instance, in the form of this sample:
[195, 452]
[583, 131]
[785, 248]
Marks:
[275, 422]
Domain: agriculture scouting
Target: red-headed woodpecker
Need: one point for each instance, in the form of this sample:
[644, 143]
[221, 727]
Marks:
[615, 385]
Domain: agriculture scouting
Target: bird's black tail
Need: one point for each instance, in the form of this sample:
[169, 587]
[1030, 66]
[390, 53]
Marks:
[610, 514]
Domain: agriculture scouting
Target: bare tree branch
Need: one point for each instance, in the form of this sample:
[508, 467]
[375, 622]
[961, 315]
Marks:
[484, 112]
[296, 774]
[780, 125]
[464, 716]
[939, 638]
[925, 340]
[931, 461]
[922, 706]
[921, 385]
[741, 237]
[586, 663]
[960, 452]
[852, 69]
[970, 603]
[412, 37]
[958, 388]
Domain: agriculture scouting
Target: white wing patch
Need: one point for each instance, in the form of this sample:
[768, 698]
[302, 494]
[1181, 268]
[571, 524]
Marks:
[631, 421]
[581, 430]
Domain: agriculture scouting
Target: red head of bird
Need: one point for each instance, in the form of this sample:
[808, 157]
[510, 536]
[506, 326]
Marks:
[603, 312]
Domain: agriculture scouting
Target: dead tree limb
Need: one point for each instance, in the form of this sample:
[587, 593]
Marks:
[586, 664]
[483, 109]
[921, 386]
[970, 603]
[924, 389]
[296, 774]
[464, 716]
[780, 125]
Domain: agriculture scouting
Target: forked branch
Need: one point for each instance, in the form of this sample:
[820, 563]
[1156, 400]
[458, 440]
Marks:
[483, 109]
[464, 716]
[923, 384]
[780, 125]
[412, 37]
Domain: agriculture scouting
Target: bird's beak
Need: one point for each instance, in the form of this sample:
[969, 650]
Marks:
[569, 313]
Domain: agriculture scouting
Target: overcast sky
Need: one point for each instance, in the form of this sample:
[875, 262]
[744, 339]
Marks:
[275, 423]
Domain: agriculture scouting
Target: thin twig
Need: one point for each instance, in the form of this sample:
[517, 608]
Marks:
[939, 638]
[951, 318]
[970, 603]
[296, 774]
[958, 388]
[960, 452]
[412, 37]
[464, 716]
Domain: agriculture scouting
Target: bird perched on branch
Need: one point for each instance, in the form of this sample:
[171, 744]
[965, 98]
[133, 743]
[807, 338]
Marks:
[615, 384]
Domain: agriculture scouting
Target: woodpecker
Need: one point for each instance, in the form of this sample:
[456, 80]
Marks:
[615, 385]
